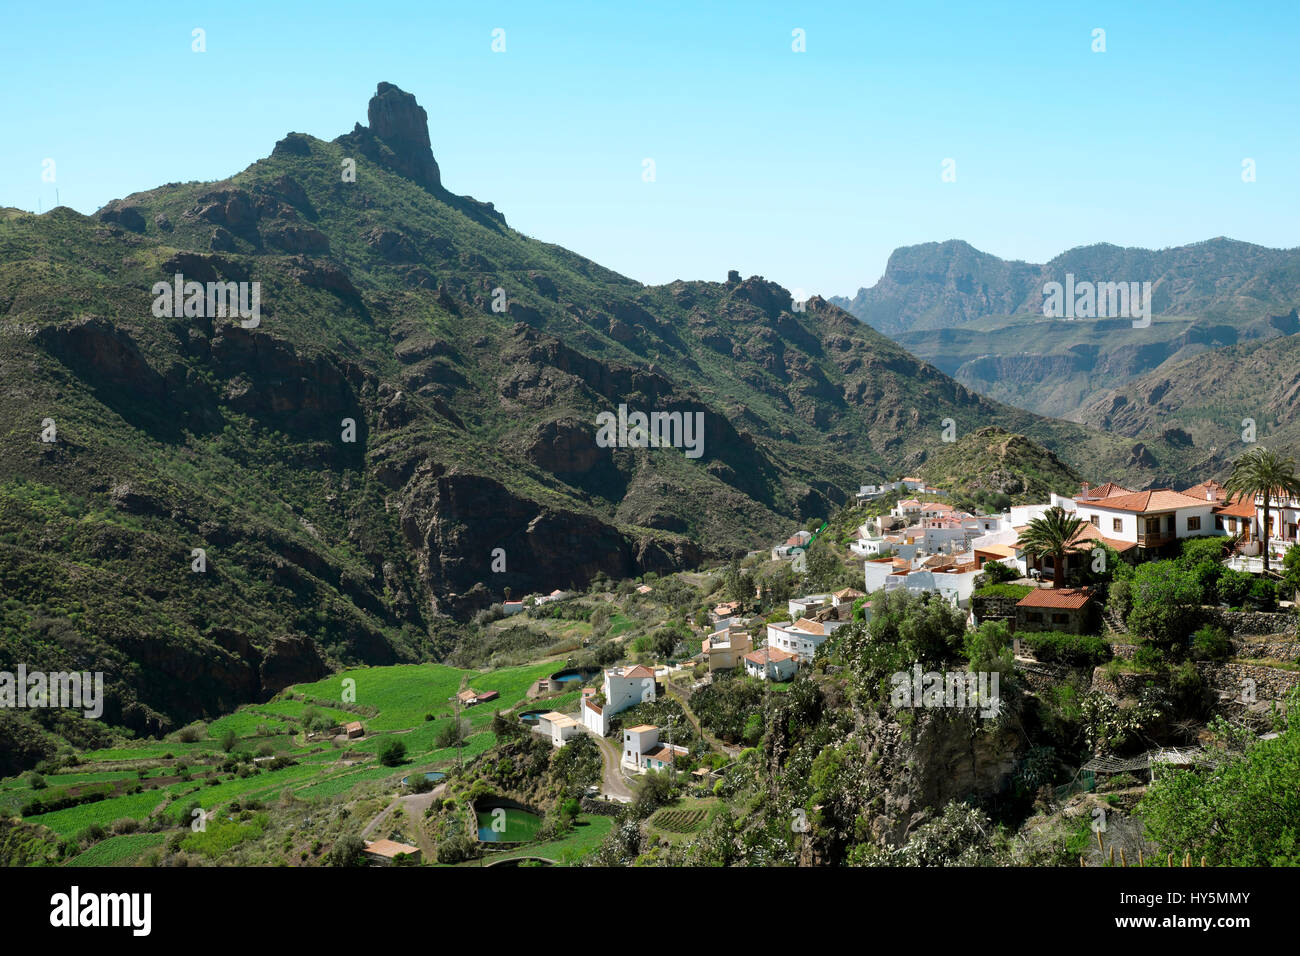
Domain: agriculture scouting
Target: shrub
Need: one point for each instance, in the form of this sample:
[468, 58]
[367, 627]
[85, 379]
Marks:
[1148, 655]
[347, 851]
[1234, 586]
[1263, 594]
[228, 740]
[995, 572]
[1077, 649]
[1211, 643]
[1016, 591]
[392, 752]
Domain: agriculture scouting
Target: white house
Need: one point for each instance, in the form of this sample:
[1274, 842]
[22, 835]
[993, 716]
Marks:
[642, 750]
[908, 509]
[624, 687]
[1150, 519]
[771, 663]
[558, 727]
[802, 638]
[798, 607]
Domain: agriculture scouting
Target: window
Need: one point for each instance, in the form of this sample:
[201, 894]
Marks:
[1116, 524]
[1060, 619]
[1194, 524]
[1034, 617]
[1218, 522]
[1096, 520]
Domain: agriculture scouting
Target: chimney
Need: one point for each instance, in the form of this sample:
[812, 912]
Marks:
[1083, 489]
[1209, 493]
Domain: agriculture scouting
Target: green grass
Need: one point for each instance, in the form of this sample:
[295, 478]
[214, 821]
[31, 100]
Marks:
[588, 831]
[66, 822]
[221, 835]
[404, 693]
[120, 850]
[244, 722]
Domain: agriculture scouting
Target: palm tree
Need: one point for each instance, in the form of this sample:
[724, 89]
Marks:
[1052, 534]
[1260, 473]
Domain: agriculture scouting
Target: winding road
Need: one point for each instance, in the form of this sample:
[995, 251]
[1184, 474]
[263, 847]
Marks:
[613, 784]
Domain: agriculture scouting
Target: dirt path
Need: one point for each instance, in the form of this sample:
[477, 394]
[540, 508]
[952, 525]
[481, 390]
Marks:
[612, 783]
[413, 803]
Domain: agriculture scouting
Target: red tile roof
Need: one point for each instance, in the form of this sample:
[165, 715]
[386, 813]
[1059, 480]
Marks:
[1103, 491]
[1212, 487]
[772, 654]
[1241, 509]
[638, 671]
[1064, 598]
[1142, 502]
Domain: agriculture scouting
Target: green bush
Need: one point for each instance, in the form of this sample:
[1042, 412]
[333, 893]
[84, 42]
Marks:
[1234, 587]
[1016, 591]
[392, 752]
[1211, 643]
[1263, 594]
[1076, 649]
[995, 572]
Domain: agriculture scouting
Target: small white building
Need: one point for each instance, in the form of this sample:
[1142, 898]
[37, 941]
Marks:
[624, 687]
[810, 602]
[558, 727]
[771, 663]
[802, 638]
[642, 750]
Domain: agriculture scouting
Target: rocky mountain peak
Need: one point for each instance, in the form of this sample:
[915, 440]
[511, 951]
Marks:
[403, 126]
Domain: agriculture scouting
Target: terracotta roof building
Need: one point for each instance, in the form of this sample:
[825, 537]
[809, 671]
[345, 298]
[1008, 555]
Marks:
[1071, 610]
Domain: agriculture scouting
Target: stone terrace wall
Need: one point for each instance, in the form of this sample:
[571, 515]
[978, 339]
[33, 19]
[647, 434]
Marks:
[1271, 683]
[1251, 622]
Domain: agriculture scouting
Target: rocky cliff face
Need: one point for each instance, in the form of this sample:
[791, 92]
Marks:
[401, 124]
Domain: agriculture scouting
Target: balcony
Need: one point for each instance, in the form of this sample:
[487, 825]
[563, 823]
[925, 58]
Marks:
[1155, 539]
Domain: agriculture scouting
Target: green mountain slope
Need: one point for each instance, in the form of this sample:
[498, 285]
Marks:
[473, 362]
[1212, 400]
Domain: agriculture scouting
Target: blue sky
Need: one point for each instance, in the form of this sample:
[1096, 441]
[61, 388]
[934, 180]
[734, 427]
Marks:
[808, 168]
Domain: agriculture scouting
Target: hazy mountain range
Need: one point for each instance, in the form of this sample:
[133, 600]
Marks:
[981, 319]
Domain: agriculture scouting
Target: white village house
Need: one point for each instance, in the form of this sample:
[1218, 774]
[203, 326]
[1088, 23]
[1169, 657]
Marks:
[771, 663]
[624, 687]
[642, 750]
[802, 638]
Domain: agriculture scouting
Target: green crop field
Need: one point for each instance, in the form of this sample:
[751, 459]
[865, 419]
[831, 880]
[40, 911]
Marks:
[73, 819]
[404, 693]
[119, 850]
[244, 723]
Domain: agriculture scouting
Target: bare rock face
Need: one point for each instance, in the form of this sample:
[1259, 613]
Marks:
[403, 126]
[291, 659]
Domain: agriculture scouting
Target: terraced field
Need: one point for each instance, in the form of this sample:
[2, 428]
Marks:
[680, 821]
[390, 701]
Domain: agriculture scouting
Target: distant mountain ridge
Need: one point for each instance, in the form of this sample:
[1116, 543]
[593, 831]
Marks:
[981, 319]
[942, 285]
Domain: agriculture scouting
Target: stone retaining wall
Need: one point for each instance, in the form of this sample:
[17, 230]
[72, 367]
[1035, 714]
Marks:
[1271, 683]
[1251, 622]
